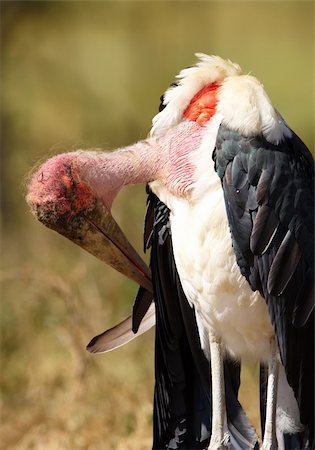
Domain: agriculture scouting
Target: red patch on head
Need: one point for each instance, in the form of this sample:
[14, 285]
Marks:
[203, 105]
[83, 199]
[79, 193]
[67, 181]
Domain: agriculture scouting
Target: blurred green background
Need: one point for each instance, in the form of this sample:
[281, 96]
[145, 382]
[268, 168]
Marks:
[90, 74]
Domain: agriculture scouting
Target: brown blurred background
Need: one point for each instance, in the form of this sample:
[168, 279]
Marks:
[90, 74]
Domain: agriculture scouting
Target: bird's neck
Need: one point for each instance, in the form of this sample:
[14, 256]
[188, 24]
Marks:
[107, 173]
[166, 159]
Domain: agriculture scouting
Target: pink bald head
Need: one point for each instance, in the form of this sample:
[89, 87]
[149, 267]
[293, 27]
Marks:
[55, 190]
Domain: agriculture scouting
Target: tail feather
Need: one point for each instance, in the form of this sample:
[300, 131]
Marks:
[121, 333]
[242, 433]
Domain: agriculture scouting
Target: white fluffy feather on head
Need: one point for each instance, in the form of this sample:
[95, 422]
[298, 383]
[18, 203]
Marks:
[209, 69]
[242, 100]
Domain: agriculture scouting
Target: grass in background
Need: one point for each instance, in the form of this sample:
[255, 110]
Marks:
[89, 74]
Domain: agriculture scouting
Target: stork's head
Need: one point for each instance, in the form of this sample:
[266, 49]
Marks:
[72, 193]
[65, 194]
[55, 191]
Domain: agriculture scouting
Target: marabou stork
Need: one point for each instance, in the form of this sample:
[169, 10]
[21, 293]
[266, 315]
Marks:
[230, 224]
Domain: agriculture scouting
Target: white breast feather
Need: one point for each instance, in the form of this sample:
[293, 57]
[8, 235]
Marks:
[206, 263]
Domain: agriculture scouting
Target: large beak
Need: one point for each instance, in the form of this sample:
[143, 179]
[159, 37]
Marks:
[99, 234]
[69, 207]
[95, 230]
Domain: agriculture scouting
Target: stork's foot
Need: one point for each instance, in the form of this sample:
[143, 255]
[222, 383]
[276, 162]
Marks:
[270, 439]
[223, 444]
[270, 446]
[220, 447]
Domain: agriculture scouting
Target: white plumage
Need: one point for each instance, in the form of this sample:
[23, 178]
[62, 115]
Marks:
[206, 262]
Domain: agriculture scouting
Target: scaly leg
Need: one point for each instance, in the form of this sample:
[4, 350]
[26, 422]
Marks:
[219, 437]
[270, 439]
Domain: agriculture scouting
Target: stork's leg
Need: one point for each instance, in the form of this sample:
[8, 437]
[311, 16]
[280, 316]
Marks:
[219, 437]
[270, 439]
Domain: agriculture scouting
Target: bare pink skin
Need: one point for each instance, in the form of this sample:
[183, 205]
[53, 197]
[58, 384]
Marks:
[70, 182]
[54, 184]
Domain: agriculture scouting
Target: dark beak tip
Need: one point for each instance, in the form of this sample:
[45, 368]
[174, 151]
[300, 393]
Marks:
[135, 328]
[91, 344]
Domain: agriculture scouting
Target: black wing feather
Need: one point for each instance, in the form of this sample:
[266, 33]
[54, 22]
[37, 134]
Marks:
[264, 229]
[270, 209]
[182, 372]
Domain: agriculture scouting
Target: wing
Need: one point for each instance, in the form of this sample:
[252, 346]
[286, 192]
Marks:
[269, 197]
[182, 396]
[182, 389]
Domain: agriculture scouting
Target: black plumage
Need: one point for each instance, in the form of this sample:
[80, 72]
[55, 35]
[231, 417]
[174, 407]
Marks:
[269, 198]
[182, 390]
